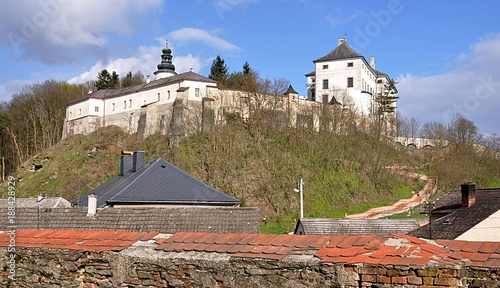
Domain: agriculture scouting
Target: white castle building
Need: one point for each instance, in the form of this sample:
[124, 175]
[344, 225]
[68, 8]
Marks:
[174, 103]
[344, 76]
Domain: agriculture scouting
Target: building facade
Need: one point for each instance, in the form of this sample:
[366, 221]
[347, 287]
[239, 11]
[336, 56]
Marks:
[344, 76]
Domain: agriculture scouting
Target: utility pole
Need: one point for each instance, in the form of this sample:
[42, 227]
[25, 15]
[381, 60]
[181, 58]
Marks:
[300, 190]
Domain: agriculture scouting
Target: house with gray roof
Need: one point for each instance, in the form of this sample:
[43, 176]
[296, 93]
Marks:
[40, 202]
[154, 183]
[467, 214]
[365, 227]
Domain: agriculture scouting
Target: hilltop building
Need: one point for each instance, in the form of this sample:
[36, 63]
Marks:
[344, 76]
[179, 104]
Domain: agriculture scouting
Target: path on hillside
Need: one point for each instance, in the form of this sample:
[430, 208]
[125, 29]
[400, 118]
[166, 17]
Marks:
[402, 205]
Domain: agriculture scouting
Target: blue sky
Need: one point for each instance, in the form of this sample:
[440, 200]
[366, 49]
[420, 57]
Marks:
[445, 54]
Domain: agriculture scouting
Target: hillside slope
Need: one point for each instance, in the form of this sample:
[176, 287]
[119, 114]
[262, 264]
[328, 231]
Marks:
[342, 173]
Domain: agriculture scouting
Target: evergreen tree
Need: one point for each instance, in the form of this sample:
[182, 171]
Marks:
[387, 98]
[218, 71]
[106, 80]
[246, 68]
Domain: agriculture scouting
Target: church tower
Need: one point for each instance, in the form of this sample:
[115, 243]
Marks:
[165, 68]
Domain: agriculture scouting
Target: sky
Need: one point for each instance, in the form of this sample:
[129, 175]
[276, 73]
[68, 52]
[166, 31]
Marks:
[444, 54]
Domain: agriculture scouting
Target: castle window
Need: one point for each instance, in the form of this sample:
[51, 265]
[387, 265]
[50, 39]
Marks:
[379, 81]
[350, 64]
[168, 94]
[158, 97]
[350, 82]
[197, 92]
[79, 111]
[325, 67]
[130, 103]
[96, 109]
[125, 104]
[113, 106]
[325, 83]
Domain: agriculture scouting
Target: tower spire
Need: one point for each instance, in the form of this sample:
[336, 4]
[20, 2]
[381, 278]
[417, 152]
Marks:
[165, 68]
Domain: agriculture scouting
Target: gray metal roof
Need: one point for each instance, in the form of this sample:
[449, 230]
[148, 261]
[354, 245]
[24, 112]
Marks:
[381, 227]
[157, 182]
[342, 51]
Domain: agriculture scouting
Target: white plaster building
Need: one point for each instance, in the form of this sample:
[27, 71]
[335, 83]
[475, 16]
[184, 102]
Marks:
[152, 101]
[342, 74]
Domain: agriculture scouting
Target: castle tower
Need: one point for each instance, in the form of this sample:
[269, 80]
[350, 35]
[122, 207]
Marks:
[165, 68]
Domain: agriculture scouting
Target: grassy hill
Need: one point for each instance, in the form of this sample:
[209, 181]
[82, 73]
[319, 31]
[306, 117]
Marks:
[342, 173]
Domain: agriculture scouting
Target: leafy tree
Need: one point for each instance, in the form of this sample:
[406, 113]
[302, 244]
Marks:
[106, 80]
[218, 71]
[131, 80]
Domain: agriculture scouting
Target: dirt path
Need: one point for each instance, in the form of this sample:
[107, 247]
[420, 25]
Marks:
[402, 205]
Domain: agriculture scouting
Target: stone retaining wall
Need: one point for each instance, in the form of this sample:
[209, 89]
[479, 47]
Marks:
[142, 266]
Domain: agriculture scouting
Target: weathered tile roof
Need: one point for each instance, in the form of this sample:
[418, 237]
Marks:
[400, 250]
[164, 220]
[330, 226]
[157, 182]
[459, 220]
[76, 240]
[52, 202]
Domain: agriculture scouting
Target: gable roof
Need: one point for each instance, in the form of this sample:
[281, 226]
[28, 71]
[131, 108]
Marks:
[457, 219]
[380, 227]
[110, 93]
[157, 182]
[342, 51]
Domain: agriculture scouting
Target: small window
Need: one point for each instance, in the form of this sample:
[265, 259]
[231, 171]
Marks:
[350, 64]
[379, 81]
[350, 82]
[113, 106]
[197, 92]
[168, 94]
[325, 83]
[125, 104]
[96, 109]
[130, 103]
[79, 111]
[325, 67]
[158, 97]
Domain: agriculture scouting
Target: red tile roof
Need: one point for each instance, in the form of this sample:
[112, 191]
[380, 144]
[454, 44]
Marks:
[396, 250]
[76, 240]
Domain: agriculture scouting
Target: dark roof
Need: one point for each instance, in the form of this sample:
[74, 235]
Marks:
[458, 220]
[165, 219]
[380, 227]
[290, 90]
[110, 93]
[157, 182]
[342, 51]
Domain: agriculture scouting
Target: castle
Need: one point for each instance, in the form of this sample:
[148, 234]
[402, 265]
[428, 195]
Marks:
[179, 104]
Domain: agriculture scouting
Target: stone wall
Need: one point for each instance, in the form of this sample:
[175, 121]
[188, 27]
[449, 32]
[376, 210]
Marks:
[142, 266]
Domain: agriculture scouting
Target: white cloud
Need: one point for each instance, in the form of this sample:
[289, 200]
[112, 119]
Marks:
[471, 88]
[200, 35]
[223, 6]
[44, 30]
[145, 60]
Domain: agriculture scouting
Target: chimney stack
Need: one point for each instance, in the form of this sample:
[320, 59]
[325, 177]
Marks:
[372, 62]
[92, 205]
[468, 194]
[148, 79]
[138, 160]
[340, 41]
[127, 162]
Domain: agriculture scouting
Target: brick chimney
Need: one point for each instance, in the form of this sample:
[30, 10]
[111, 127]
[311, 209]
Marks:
[468, 194]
